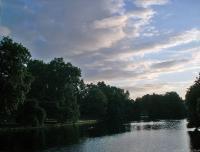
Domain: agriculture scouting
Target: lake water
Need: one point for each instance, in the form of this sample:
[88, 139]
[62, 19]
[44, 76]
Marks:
[160, 136]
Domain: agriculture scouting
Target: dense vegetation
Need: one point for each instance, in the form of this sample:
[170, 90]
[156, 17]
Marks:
[15, 80]
[167, 106]
[106, 102]
[55, 87]
[33, 92]
[193, 103]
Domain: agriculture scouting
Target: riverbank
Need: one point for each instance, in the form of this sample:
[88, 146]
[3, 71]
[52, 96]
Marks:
[48, 126]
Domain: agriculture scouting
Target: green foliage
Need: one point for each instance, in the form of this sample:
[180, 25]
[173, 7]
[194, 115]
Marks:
[95, 103]
[30, 114]
[61, 75]
[38, 70]
[69, 109]
[52, 109]
[106, 102]
[167, 106]
[59, 87]
[14, 79]
[135, 113]
[192, 101]
[119, 103]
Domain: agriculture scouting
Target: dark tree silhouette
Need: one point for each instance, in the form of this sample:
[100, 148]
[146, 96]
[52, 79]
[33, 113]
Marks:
[167, 106]
[95, 103]
[14, 79]
[56, 86]
[31, 114]
[193, 103]
[119, 104]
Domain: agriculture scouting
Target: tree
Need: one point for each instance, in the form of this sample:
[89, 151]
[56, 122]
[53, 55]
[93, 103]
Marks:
[175, 105]
[56, 86]
[192, 101]
[69, 109]
[95, 103]
[107, 103]
[14, 79]
[119, 105]
[31, 114]
[38, 70]
[167, 106]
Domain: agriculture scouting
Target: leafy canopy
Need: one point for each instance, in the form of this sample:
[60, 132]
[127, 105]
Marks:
[14, 79]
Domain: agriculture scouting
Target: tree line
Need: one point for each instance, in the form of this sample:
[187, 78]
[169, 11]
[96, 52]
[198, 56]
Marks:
[167, 106]
[33, 91]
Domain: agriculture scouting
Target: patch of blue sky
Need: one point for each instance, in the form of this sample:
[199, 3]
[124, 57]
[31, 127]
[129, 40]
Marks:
[182, 76]
[181, 51]
[129, 5]
[178, 16]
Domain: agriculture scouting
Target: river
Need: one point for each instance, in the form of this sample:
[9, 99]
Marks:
[159, 136]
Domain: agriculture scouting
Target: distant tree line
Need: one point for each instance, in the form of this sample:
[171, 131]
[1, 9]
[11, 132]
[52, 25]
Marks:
[33, 91]
[167, 106]
[104, 102]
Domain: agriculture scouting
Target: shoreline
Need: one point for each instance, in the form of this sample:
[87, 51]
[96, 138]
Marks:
[48, 126]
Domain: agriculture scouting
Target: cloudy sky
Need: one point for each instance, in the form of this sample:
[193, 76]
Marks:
[144, 46]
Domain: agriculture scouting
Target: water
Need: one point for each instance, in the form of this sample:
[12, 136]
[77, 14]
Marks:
[160, 136]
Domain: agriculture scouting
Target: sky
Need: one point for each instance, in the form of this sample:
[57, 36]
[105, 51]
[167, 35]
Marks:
[144, 46]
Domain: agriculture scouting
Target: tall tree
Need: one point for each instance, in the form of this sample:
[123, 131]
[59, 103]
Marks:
[95, 103]
[14, 79]
[119, 104]
[193, 103]
[58, 83]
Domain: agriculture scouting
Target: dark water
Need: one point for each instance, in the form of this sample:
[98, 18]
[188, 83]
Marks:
[161, 136]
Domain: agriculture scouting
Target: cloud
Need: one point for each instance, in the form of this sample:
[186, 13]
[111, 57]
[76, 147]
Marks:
[158, 87]
[54, 28]
[111, 22]
[148, 3]
[147, 87]
[62, 31]
[185, 37]
[142, 70]
[117, 41]
[169, 64]
[136, 70]
[4, 31]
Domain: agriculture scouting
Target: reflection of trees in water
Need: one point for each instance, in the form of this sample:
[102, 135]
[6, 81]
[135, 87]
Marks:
[103, 129]
[194, 140]
[40, 139]
[34, 140]
[22, 140]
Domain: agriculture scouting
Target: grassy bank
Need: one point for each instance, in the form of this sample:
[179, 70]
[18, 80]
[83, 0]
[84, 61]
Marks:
[48, 126]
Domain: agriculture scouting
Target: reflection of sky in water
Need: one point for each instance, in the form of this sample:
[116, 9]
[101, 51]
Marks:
[168, 125]
[163, 136]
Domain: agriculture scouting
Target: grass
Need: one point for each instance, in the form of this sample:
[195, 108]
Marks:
[48, 126]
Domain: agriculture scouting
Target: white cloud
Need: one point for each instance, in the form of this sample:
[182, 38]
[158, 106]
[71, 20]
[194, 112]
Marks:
[111, 22]
[116, 28]
[4, 31]
[148, 3]
[158, 87]
[62, 31]
[106, 39]
[192, 35]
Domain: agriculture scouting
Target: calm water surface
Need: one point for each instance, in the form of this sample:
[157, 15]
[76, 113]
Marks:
[161, 136]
